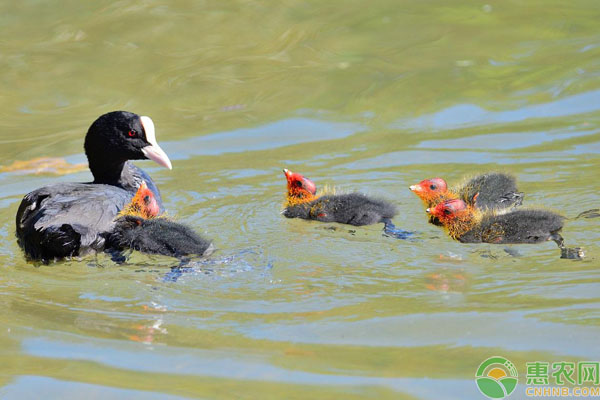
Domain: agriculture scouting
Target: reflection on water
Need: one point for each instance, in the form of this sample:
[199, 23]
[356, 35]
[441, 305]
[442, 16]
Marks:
[364, 98]
[30, 387]
[464, 115]
[265, 137]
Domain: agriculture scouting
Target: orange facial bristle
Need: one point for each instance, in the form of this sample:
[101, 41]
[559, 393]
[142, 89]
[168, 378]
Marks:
[456, 216]
[299, 189]
[143, 204]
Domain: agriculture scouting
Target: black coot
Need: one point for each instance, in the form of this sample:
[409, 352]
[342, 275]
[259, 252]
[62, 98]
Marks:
[69, 219]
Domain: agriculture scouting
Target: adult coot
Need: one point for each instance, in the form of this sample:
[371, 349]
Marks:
[68, 219]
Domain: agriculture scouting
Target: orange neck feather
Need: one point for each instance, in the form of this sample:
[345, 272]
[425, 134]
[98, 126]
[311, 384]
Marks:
[135, 207]
[295, 196]
[461, 223]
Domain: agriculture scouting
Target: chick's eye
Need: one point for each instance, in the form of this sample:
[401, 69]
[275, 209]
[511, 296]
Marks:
[146, 199]
[447, 212]
[432, 187]
[132, 133]
[297, 183]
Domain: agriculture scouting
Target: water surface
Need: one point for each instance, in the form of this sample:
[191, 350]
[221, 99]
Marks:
[371, 97]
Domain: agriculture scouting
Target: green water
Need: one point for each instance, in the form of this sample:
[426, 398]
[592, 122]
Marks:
[370, 96]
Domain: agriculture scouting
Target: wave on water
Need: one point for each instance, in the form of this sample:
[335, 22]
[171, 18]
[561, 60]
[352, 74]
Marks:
[246, 260]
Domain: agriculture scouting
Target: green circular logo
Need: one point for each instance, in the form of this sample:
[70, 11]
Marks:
[496, 377]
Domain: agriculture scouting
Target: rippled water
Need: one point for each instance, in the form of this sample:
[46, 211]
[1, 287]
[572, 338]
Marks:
[364, 96]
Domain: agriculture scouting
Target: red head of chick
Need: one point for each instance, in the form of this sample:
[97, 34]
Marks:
[431, 191]
[456, 216]
[143, 204]
[299, 188]
[451, 210]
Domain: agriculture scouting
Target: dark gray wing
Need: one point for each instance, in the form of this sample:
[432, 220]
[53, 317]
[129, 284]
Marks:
[68, 219]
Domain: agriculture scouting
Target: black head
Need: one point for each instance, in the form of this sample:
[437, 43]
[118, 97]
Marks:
[119, 136]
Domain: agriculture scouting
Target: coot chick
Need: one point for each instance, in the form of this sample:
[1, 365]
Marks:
[492, 190]
[469, 225]
[352, 208]
[432, 192]
[156, 236]
[69, 219]
[138, 229]
[143, 204]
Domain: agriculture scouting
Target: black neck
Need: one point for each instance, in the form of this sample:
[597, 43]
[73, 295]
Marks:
[107, 171]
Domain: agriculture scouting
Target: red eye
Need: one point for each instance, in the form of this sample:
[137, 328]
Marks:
[132, 133]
